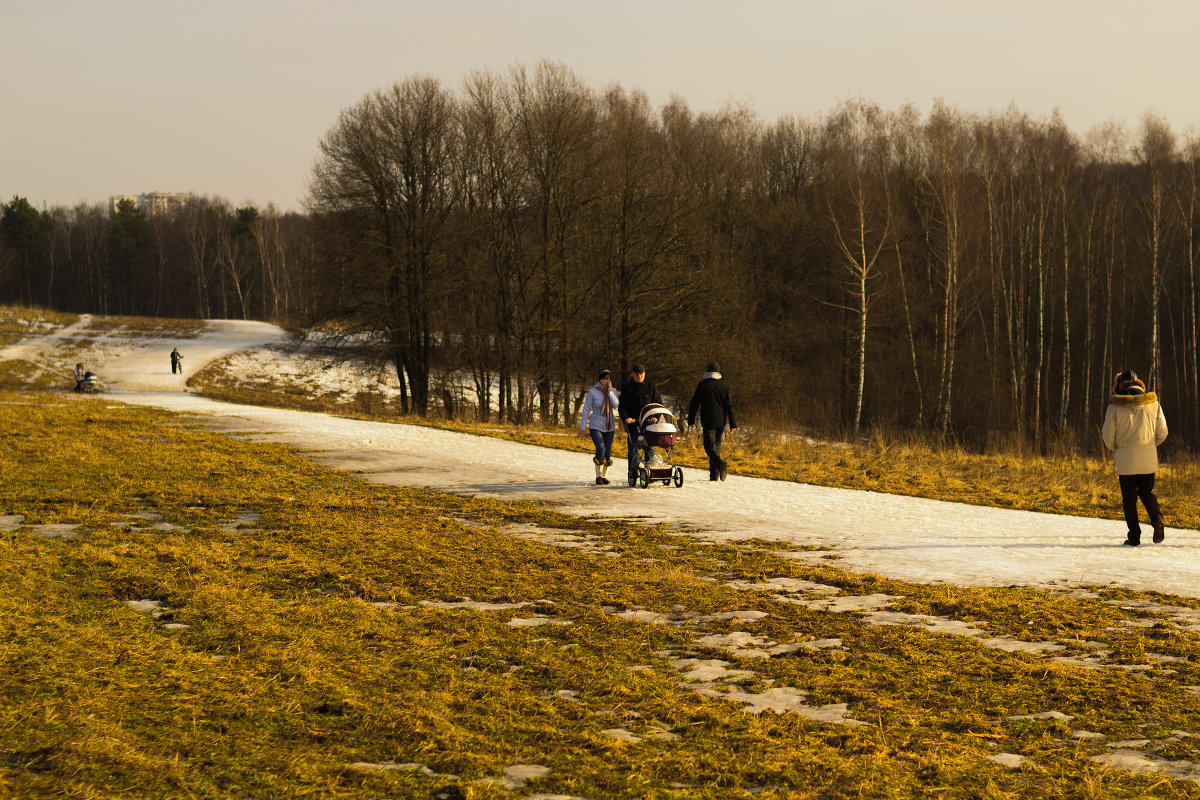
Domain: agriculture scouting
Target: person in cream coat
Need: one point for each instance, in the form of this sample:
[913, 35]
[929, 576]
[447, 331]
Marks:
[1134, 427]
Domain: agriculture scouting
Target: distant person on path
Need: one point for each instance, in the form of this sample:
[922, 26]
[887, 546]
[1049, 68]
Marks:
[636, 393]
[599, 418]
[711, 399]
[79, 375]
[176, 361]
[1134, 427]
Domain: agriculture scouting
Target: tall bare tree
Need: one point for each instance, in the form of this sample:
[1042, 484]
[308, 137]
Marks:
[384, 190]
[857, 144]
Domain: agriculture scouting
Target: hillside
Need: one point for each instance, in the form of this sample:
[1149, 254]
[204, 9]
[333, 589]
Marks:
[300, 610]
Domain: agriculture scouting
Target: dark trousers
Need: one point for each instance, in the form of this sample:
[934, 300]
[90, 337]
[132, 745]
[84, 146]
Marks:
[1132, 488]
[712, 448]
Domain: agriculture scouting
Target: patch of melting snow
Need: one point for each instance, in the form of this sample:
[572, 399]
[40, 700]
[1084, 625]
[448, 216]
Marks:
[621, 735]
[649, 617]
[535, 621]
[851, 603]
[1011, 645]
[155, 608]
[53, 530]
[247, 520]
[785, 586]
[1130, 760]
[739, 616]
[662, 735]
[709, 670]
[1010, 760]
[473, 605]
[517, 775]
[739, 643]
[783, 700]
[1129, 744]
[1055, 715]
[60, 530]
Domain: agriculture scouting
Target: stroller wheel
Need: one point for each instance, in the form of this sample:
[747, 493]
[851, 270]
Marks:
[643, 477]
[677, 475]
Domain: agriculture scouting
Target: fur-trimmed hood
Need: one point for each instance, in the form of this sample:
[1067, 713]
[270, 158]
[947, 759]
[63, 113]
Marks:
[1134, 399]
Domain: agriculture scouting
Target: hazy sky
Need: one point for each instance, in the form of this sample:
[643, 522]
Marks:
[224, 98]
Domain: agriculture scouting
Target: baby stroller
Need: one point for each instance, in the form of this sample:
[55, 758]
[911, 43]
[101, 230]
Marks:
[88, 384]
[656, 428]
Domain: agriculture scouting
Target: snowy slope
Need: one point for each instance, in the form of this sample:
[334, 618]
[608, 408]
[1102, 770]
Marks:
[901, 537]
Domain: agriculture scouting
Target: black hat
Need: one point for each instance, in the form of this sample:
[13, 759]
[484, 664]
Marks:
[1127, 382]
[638, 368]
[713, 367]
[603, 374]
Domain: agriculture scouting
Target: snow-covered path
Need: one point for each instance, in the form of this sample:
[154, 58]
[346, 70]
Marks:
[901, 537]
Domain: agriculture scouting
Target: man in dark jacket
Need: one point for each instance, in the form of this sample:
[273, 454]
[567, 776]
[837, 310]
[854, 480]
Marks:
[635, 394]
[711, 399]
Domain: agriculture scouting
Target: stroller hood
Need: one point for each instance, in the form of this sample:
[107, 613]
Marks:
[655, 418]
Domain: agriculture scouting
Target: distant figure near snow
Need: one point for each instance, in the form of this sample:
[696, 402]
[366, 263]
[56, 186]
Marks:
[1134, 427]
[176, 361]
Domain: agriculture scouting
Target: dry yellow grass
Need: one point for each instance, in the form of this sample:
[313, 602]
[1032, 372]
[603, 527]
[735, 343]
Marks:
[288, 674]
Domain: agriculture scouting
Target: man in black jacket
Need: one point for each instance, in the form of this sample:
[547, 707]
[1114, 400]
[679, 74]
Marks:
[635, 394]
[711, 399]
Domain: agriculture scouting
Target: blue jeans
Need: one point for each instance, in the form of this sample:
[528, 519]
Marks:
[631, 436]
[603, 441]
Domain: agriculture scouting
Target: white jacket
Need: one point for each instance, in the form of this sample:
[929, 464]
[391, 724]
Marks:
[1134, 426]
[593, 410]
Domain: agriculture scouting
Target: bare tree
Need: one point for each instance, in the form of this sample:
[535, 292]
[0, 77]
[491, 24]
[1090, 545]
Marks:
[1156, 153]
[857, 145]
[555, 114]
[384, 190]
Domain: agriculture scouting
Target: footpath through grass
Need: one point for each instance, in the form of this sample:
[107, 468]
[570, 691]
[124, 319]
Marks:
[230, 620]
[1063, 482]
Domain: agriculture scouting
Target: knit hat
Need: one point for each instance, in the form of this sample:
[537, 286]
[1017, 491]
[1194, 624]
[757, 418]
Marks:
[1127, 382]
[603, 374]
[713, 367]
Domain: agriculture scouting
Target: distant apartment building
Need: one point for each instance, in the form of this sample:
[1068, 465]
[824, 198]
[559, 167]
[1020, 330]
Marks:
[151, 203]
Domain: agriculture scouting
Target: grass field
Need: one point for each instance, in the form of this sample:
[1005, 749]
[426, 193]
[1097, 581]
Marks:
[227, 619]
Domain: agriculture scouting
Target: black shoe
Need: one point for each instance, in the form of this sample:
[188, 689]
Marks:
[1159, 534]
[599, 481]
[721, 474]
[1131, 543]
[602, 481]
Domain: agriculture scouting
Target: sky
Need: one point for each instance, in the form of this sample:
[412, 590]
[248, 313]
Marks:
[231, 99]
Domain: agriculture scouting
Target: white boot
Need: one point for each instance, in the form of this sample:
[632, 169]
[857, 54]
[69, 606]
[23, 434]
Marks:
[599, 468]
[604, 472]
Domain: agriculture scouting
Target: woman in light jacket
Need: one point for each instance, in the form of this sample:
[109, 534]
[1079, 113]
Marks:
[599, 418]
[1134, 427]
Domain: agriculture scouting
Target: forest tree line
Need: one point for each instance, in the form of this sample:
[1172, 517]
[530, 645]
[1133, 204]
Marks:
[970, 275]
